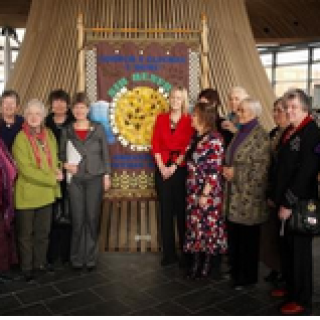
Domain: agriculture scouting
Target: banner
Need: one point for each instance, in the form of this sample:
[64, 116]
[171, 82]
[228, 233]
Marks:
[133, 85]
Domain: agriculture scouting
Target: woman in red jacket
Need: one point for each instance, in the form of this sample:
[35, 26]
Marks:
[171, 136]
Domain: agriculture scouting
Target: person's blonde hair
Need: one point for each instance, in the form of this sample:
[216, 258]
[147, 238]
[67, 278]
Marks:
[185, 99]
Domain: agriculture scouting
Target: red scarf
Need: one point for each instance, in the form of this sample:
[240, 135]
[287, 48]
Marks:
[291, 129]
[38, 138]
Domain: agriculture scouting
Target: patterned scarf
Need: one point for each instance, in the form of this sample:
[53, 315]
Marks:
[37, 139]
[8, 173]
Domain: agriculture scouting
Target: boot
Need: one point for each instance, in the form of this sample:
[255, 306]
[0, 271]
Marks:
[195, 269]
[207, 266]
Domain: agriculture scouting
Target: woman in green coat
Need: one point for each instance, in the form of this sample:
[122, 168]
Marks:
[37, 187]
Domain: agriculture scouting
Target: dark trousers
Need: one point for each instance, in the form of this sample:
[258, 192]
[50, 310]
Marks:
[33, 227]
[59, 243]
[60, 234]
[245, 252]
[172, 195]
[85, 199]
[296, 254]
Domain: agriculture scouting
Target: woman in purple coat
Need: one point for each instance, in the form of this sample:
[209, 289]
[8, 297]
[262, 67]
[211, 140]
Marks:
[7, 247]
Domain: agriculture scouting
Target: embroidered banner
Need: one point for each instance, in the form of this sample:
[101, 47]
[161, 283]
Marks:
[133, 85]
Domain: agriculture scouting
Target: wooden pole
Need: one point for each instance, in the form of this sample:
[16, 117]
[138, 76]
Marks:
[204, 79]
[81, 56]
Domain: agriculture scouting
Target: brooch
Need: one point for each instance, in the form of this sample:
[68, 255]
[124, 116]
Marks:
[295, 144]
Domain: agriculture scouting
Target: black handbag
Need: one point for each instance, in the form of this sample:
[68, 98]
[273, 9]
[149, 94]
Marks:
[305, 218]
[61, 211]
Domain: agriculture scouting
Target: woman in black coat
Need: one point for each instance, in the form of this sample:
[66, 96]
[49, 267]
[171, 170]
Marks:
[295, 178]
[59, 242]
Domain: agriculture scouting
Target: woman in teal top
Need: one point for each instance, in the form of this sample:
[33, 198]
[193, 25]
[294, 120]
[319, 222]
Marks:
[37, 187]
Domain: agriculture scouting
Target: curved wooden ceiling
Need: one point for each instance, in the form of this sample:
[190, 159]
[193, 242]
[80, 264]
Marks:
[271, 20]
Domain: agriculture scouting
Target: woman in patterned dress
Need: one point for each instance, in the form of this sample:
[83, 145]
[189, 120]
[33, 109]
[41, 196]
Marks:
[205, 225]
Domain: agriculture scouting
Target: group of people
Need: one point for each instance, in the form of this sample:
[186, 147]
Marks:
[35, 163]
[231, 186]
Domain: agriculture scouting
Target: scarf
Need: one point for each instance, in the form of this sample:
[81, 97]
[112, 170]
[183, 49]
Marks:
[8, 173]
[291, 129]
[37, 139]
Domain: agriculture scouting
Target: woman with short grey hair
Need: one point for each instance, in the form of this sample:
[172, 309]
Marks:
[247, 161]
[37, 187]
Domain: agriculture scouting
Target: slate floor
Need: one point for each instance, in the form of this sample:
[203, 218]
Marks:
[135, 284]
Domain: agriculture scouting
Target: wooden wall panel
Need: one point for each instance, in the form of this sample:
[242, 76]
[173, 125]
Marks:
[48, 56]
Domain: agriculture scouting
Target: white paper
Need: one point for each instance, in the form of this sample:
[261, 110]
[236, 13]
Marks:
[73, 157]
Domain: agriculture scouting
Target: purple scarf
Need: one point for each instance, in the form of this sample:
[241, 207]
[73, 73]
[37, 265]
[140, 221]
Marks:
[242, 134]
[8, 173]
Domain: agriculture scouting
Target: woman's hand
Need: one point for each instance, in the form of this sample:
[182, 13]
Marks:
[229, 125]
[72, 168]
[106, 182]
[59, 175]
[270, 203]
[284, 213]
[228, 173]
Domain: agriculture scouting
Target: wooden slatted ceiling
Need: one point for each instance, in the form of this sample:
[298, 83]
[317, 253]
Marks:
[282, 20]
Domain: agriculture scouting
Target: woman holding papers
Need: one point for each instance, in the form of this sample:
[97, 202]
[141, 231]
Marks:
[84, 153]
[36, 189]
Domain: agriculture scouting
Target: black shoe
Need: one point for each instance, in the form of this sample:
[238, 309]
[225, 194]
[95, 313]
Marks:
[77, 268]
[28, 276]
[50, 267]
[41, 270]
[227, 275]
[272, 276]
[91, 268]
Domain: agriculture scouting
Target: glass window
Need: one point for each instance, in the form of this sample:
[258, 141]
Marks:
[296, 56]
[315, 71]
[282, 87]
[292, 73]
[316, 54]
[313, 84]
[1, 87]
[266, 59]
[14, 55]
